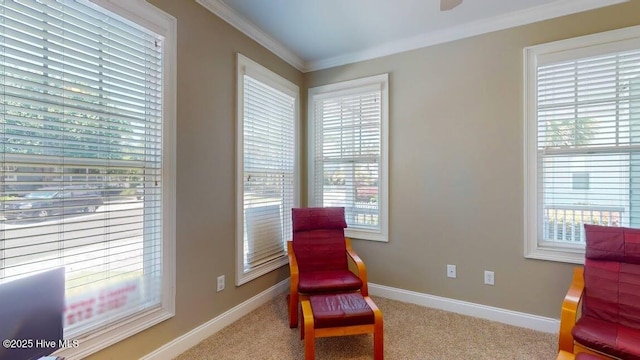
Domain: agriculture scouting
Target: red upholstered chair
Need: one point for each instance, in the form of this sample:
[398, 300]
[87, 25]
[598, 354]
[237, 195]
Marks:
[319, 257]
[609, 289]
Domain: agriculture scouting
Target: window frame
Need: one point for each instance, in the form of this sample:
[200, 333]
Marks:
[352, 87]
[152, 18]
[573, 48]
[246, 65]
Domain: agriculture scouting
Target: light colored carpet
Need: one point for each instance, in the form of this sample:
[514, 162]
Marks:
[410, 332]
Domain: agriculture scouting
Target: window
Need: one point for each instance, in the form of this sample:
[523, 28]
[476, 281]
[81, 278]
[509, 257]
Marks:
[582, 149]
[348, 163]
[267, 168]
[87, 117]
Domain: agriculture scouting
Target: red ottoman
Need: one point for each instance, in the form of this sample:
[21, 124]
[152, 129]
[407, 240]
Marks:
[587, 356]
[338, 315]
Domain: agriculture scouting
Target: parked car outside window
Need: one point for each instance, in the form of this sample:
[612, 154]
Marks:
[49, 201]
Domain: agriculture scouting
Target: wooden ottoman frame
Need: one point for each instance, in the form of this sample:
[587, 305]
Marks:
[309, 332]
[563, 355]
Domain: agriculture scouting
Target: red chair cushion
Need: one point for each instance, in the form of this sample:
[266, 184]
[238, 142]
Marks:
[610, 321]
[305, 219]
[319, 250]
[607, 337]
[612, 243]
[321, 253]
[318, 239]
[339, 310]
[612, 292]
[611, 275]
[311, 282]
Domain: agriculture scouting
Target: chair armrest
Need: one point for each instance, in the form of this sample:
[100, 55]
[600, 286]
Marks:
[362, 270]
[293, 267]
[569, 312]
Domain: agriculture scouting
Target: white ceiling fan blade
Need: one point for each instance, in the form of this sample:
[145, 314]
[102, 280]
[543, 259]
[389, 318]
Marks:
[449, 4]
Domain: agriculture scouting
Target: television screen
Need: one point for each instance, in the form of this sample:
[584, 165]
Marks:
[31, 311]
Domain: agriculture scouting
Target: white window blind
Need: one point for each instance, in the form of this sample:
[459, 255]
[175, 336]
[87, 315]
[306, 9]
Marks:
[269, 171]
[588, 142]
[81, 129]
[349, 153]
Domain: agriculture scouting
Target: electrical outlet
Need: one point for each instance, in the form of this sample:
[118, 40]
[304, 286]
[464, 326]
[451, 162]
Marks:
[451, 271]
[220, 283]
[489, 277]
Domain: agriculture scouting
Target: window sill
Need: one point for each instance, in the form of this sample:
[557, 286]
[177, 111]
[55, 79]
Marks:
[559, 254]
[366, 235]
[102, 339]
[243, 278]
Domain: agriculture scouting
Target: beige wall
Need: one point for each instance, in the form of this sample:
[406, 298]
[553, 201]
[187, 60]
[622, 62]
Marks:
[456, 166]
[456, 169]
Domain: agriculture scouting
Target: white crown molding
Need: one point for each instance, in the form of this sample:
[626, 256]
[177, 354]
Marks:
[518, 18]
[223, 11]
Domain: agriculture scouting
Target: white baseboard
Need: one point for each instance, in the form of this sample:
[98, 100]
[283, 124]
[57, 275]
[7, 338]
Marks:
[535, 322]
[185, 342]
[193, 337]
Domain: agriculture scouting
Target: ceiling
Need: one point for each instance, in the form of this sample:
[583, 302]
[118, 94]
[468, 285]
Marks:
[318, 34]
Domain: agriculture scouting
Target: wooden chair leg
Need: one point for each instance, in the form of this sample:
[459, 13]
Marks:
[563, 355]
[378, 342]
[303, 319]
[308, 331]
[378, 333]
[293, 310]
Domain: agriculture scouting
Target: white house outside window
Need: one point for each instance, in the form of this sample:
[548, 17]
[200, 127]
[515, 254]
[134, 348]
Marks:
[87, 117]
[582, 140]
[267, 168]
[348, 162]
